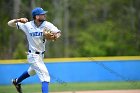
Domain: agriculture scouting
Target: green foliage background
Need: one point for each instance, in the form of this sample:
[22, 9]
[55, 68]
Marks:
[95, 28]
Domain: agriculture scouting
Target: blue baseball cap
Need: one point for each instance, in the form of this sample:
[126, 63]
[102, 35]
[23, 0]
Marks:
[38, 11]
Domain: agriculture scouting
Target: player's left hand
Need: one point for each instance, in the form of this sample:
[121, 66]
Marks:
[49, 35]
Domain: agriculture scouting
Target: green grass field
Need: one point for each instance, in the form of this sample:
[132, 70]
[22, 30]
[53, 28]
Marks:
[31, 88]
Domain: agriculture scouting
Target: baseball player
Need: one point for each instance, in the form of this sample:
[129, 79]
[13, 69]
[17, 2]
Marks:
[38, 32]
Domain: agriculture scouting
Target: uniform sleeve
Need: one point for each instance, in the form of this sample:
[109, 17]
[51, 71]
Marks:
[21, 26]
[52, 28]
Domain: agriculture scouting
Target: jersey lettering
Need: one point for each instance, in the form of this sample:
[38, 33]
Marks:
[36, 34]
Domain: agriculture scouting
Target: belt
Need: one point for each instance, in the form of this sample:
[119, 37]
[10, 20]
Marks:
[36, 52]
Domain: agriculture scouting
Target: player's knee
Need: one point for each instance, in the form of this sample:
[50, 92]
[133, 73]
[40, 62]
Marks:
[31, 72]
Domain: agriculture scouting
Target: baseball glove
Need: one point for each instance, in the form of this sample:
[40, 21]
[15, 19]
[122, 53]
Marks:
[49, 35]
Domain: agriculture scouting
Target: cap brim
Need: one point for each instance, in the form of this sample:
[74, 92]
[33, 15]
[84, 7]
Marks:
[44, 12]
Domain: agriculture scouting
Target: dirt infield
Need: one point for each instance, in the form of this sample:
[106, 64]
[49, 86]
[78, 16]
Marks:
[103, 91]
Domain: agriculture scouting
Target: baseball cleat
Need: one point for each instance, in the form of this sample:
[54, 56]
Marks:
[18, 86]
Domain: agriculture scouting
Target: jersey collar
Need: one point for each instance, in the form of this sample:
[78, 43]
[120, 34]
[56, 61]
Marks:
[38, 26]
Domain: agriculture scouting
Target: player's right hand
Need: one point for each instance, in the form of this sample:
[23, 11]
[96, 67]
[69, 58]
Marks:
[22, 20]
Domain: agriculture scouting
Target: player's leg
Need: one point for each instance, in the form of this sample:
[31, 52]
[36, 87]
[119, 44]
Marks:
[45, 87]
[16, 82]
[25, 75]
[22, 77]
[43, 75]
[38, 65]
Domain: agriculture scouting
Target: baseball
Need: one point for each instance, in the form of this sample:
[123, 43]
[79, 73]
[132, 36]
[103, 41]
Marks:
[23, 20]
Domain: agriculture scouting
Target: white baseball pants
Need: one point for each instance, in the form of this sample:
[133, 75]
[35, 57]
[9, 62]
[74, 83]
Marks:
[38, 67]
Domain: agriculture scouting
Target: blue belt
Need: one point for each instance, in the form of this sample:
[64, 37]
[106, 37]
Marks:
[36, 52]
